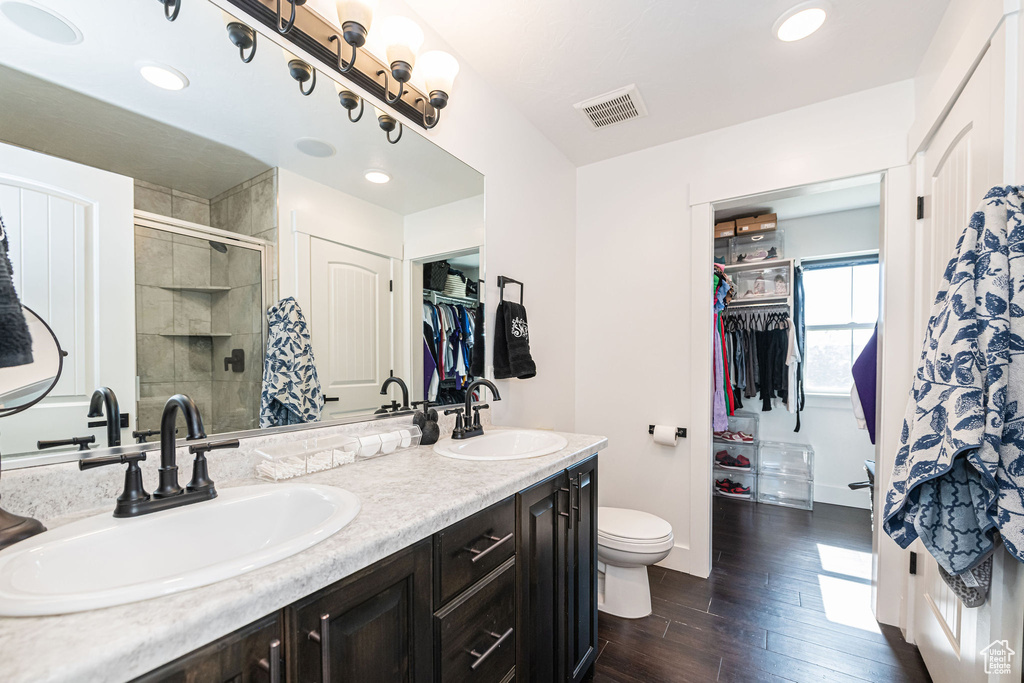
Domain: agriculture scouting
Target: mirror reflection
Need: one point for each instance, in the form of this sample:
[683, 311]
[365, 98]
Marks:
[231, 240]
[30, 358]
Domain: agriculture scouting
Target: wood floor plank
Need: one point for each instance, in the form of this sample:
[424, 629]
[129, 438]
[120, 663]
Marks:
[858, 667]
[626, 665]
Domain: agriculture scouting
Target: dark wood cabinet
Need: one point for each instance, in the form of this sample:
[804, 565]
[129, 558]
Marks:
[581, 569]
[556, 553]
[245, 656]
[372, 626]
[471, 549]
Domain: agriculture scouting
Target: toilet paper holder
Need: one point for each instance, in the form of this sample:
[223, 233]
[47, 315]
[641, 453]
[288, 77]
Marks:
[680, 431]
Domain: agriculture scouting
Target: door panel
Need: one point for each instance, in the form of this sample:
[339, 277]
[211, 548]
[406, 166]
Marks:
[351, 325]
[582, 570]
[962, 162]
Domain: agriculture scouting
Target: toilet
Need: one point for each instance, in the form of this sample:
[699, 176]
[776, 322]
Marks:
[628, 541]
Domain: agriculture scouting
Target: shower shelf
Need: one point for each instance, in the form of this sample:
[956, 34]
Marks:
[196, 334]
[207, 289]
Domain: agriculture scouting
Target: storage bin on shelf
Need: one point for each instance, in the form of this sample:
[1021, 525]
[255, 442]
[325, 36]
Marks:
[724, 484]
[372, 445]
[722, 255]
[762, 283]
[756, 247]
[777, 489]
[787, 459]
[727, 453]
[301, 457]
[744, 424]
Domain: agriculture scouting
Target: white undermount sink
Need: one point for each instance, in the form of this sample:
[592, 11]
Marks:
[102, 561]
[505, 444]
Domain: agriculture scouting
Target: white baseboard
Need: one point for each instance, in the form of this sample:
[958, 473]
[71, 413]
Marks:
[680, 559]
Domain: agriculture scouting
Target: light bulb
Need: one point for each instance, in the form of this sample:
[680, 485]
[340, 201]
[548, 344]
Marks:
[798, 23]
[438, 70]
[402, 39]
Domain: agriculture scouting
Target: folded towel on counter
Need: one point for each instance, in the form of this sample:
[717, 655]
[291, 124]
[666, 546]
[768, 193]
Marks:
[959, 473]
[291, 389]
[512, 357]
[15, 339]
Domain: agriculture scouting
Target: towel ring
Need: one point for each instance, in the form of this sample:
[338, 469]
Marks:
[502, 281]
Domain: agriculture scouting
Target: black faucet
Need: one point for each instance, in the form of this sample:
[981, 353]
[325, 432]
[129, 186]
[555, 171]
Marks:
[104, 398]
[470, 427]
[134, 500]
[394, 407]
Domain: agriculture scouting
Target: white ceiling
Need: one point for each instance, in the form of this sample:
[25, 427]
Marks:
[700, 64]
[233, 120]
[809, 200]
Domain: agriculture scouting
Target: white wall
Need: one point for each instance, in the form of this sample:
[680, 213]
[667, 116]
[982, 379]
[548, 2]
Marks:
[445, 229]
[827, 423]
[635, 291]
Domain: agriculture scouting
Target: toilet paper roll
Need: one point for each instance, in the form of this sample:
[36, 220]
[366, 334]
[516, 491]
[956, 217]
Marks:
[665, 435]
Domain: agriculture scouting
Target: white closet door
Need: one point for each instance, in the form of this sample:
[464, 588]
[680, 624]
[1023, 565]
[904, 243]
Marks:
[351, 325]
[962, 162]
[71, 248]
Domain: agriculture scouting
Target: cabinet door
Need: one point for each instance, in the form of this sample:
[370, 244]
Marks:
[372, 626]
[245, 656]
[581, 560]
[540, 574]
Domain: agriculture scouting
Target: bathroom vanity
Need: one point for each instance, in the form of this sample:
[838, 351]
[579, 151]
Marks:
[452, 571]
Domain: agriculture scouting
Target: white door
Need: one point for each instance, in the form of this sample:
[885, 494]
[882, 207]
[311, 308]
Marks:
[351, 325]
[71, 245]
[964, 160]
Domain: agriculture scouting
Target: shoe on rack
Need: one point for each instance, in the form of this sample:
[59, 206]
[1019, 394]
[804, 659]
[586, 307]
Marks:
[732, 489]
[740, 462]
[738, 437]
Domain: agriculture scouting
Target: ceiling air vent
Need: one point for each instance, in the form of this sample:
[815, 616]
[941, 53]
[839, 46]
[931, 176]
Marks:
[614, 107]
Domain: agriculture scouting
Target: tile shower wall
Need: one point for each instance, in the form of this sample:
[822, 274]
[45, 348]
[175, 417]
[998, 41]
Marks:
[184, 335]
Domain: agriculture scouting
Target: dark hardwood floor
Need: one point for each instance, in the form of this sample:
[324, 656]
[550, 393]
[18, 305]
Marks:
[787, 600]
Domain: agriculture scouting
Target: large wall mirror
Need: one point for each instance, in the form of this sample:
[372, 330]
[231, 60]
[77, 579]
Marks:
[158, 209]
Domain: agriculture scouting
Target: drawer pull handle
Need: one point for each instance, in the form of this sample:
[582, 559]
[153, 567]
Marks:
[272, 664]
[480, 657]
[481, 554]
[567, 515]
[323, 637]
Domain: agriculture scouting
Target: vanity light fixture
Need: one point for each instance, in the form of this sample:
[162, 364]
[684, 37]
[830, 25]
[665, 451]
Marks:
[350, 101]
[355, 16]
[244, 38]
[301, 71]
[801, 21]
[163, 76]
[402, 38]
[284, 27]
[171, 8]
[439, 70]
[377, 176]
[388, 124]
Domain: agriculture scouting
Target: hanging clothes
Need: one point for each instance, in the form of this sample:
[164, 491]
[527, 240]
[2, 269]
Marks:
[800, 323]
[759, 352]
[450, 345]
[291, 389]
[957, 478]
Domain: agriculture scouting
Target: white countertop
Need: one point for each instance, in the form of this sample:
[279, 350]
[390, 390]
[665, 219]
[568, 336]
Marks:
[405, 496]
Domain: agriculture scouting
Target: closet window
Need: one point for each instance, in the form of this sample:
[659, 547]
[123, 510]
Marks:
[841, 309]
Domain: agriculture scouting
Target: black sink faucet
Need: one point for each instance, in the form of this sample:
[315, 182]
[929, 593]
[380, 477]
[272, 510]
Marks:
[168, 460]
[105, 399]
[405, 394]
[134, 500]
[471, 426]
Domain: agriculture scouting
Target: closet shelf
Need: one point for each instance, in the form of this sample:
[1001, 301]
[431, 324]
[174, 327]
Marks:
[206, 289]
[437, 297]
[779, 300]
[757, 265]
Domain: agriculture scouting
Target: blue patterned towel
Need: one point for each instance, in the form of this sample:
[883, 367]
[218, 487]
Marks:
[291, 389]
[959, 473]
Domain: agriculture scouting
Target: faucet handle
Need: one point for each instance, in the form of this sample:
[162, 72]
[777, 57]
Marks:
[200, 473]
[133, 492]
[201, 449]
[460, 425]
[141, 436]
[122, 459]
[81, 441]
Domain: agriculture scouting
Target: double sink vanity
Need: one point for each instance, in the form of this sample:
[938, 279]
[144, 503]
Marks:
[472, 560]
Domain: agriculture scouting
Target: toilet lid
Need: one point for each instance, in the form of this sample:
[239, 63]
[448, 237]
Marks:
[631, 524]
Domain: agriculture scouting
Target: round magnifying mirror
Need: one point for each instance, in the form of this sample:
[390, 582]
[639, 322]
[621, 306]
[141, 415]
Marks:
[22, 386]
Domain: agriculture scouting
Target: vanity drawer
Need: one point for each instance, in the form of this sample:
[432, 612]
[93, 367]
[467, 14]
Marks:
[474, 634]
[469, 550]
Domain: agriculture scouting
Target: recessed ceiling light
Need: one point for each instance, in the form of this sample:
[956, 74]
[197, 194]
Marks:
[314, 147]
[163, 76]
[41, 22]
[801, 21]
[379, 177]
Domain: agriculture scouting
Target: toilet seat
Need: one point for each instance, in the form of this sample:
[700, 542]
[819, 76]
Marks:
[633, 531]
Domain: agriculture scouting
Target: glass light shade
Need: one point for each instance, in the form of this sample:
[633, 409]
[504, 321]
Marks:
[359, 11]
[439, 70]
[801, 24]
[402, 39]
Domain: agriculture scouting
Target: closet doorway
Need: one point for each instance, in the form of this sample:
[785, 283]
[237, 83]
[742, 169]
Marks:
[446, 323]
[798, 298]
